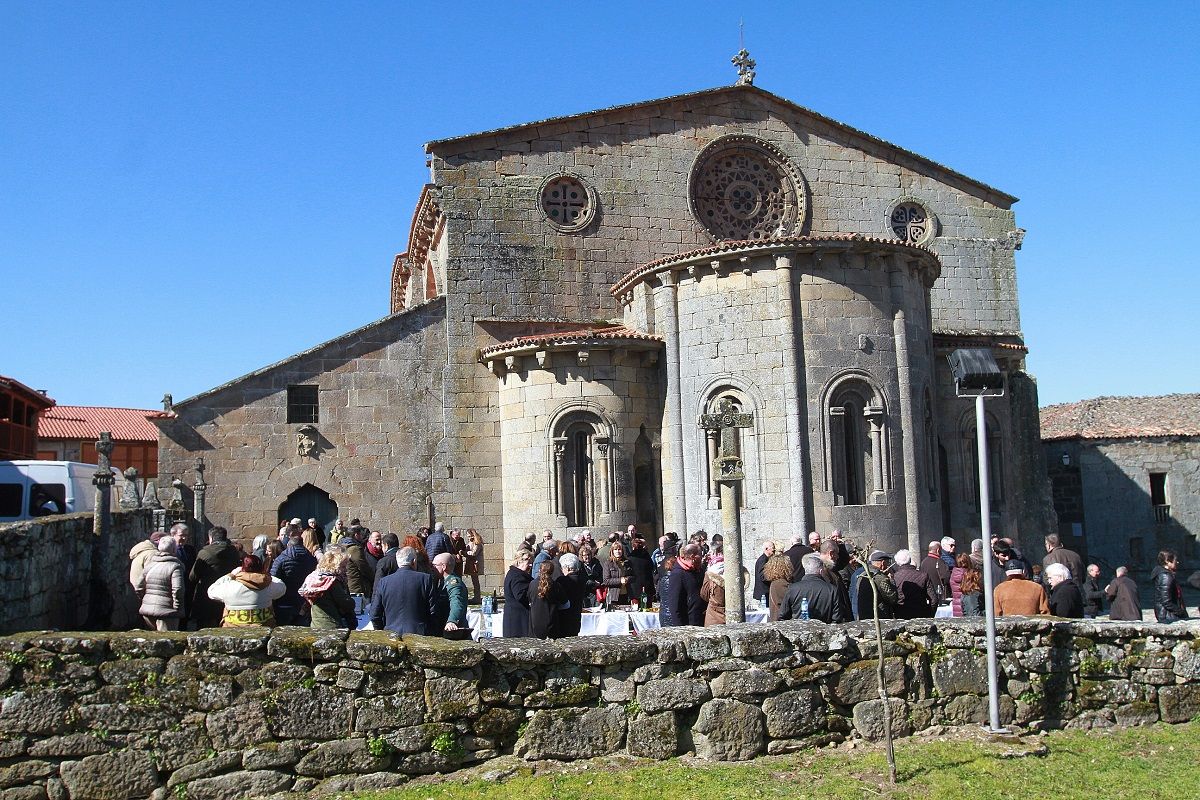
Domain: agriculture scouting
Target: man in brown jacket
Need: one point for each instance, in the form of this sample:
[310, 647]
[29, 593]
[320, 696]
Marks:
[1057, 554]
[1018, 596]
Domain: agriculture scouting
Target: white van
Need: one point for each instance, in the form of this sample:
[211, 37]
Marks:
[31, 489]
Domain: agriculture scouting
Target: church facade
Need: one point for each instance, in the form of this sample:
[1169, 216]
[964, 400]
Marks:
[578, 292]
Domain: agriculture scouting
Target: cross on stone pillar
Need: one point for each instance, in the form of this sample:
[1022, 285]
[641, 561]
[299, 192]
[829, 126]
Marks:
[729, 473]
[198, 490]
[103, 480]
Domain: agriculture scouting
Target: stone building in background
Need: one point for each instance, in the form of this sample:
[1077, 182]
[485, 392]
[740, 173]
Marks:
[577, 291]
[1125, 474]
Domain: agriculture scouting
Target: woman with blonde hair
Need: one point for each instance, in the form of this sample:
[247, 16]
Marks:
[616, 575]
[326, 590]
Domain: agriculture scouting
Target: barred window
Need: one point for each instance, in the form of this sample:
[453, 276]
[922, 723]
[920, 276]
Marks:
[302, 404]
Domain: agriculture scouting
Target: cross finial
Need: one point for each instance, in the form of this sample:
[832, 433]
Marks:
[745, 67]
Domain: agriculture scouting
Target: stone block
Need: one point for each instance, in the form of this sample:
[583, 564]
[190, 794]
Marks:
[35, 712]
[307, 645]
[347, 755]
[451, 698]
[601, 651]
[248, 641]
[273, 755]
[111, 776]
[123, 672]
[434, 651]
[794, 713]
[1187, 660]
[418, 738]
[756, 641]
[653, 736]
[729, 730]
[745, 683]
[859, 681]
[389, 712]
[71, 745]
[571, 733]
[868, 718]
[672, 694]
[959, 672]
[1179, 703]
[206, 768]
[23, 773]
[497, 722]
[318, 713]
[238, 726]
[255, 783]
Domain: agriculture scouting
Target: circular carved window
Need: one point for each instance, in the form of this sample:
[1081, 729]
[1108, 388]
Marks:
[909, 221]
[743, 189]
[568, 203]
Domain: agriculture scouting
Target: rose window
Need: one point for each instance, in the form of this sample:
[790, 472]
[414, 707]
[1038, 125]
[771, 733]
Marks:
[741, 191]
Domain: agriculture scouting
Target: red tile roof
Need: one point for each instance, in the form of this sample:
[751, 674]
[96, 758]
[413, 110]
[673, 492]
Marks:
[608, 333]
[87, 422]
[758, 246]
[1123, 418]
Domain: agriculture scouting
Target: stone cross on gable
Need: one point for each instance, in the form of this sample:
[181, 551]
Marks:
[728, 465]
[745, 67]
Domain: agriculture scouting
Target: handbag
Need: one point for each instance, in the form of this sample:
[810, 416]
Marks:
[601, 594]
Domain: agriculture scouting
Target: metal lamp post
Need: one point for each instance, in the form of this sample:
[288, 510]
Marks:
[976, 374]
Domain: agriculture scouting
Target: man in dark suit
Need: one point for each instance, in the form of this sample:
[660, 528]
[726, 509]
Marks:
[386, 564]
[405, 601]
[825, 601]
[294, 564]
[796, 552]
[215, 559]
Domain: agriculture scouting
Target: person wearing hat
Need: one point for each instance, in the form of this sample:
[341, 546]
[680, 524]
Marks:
[875, 571]
[1019, 596]
[142, 552]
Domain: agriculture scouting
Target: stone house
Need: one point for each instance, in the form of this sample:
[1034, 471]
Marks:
[578, 291]
[1125, 476]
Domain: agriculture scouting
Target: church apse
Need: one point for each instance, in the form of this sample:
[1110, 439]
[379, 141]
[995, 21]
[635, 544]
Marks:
[577, 409]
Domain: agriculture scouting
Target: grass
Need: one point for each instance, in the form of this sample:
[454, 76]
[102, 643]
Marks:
[1162, 761]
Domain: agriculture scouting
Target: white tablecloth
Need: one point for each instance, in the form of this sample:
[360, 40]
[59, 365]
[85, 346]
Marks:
[944, 612]
[599, 623]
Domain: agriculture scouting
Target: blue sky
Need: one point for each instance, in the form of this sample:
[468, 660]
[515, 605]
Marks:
[189, 191]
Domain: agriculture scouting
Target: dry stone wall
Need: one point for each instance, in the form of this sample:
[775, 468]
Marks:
[231, 714]
[55, 572]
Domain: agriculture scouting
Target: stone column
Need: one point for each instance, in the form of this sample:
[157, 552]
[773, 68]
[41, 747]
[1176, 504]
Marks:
[874, 417]
[199, 489]
[790, 343]
[674, 480]
[710, 441]
[103, 480]
[908, 428]
[731, 528]
[560, 449]
[604, 501]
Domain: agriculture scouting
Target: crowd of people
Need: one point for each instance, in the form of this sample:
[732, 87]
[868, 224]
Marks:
[307, 576]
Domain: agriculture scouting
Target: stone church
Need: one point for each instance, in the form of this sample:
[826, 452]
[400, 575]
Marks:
[578, 291]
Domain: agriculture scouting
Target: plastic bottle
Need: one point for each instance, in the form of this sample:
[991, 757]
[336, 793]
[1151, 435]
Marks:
[762, 602]
[804, 608]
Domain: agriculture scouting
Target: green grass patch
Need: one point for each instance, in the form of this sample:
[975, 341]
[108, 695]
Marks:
[1159, 762]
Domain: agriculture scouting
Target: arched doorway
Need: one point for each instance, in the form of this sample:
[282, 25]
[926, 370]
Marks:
[310, 502]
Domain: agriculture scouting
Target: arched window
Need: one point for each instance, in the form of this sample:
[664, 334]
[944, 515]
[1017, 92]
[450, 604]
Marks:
[995, 457]
[726, 401]
[581, 486]
[855, 443]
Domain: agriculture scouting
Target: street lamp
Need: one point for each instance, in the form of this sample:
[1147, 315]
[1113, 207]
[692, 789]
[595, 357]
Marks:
[976, 374]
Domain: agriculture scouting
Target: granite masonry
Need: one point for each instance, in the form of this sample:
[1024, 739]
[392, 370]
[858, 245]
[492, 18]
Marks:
[1125, 473]
[577, 291]
[56, 572]
[222, 714]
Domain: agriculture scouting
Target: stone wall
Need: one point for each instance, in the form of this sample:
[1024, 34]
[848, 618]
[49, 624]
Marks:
[230, 714]
[380, 416]
[55, 572]
[1105, 489]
